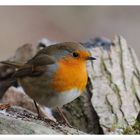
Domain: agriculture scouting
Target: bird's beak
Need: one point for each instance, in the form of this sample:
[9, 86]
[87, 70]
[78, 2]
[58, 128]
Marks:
[91, 58]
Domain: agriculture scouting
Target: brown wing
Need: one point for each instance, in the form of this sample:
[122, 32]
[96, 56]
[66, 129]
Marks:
[33, 67]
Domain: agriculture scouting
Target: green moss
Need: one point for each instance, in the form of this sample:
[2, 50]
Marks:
[134, 90]
[132, 130]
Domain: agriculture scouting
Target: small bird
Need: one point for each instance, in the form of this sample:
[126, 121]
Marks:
[55, 76]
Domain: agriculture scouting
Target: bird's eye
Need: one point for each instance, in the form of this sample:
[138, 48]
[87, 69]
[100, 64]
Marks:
[75, 54]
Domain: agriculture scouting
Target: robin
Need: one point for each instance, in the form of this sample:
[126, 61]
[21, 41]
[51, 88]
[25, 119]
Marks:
[55, 76]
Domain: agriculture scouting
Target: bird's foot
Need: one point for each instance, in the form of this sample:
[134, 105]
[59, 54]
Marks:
[66, 123]
[65, 120]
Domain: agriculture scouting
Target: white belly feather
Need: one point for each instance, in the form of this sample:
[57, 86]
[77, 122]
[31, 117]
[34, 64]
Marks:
[63, 98]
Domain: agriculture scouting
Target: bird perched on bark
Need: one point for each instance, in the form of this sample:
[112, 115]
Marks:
[55, 76]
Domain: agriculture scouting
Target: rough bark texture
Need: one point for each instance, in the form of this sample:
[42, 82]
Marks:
[17, 120]
[82, 115]
[114, 82]
[112, 97]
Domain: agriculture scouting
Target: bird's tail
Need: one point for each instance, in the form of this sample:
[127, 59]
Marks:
[12, 64]
[4, 85]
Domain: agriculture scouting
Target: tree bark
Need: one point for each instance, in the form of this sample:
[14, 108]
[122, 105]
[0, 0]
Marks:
[114, 85]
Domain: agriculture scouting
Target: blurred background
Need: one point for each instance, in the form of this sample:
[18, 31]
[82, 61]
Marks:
[29, 24]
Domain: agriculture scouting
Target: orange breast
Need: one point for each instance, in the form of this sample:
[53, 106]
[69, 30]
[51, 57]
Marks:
[70, 74]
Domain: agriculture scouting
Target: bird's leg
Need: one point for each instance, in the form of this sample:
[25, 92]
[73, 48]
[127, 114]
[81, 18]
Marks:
[4, 106]
[63, 116]
[41, 116]
[37, 108]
